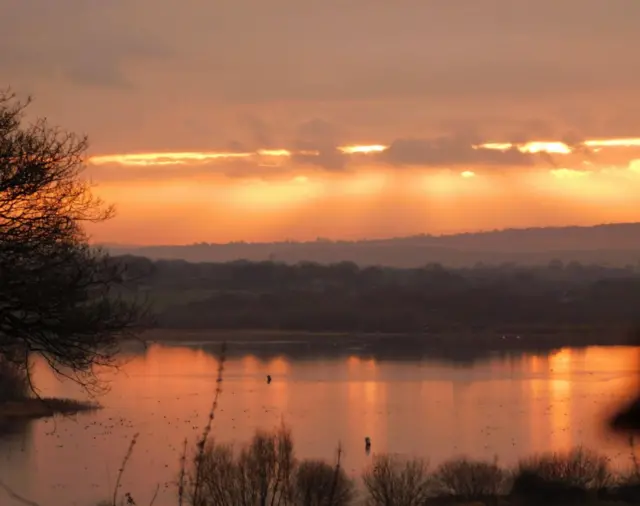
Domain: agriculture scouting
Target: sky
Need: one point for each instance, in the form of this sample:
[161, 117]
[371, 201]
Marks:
[258, 121]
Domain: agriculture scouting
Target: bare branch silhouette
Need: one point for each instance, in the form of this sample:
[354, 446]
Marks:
[60, 298]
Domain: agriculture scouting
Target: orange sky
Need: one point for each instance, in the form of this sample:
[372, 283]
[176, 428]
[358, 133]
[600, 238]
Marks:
[196, 196]
[427, 82]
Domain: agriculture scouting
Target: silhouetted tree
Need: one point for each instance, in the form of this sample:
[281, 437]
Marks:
[59, 297]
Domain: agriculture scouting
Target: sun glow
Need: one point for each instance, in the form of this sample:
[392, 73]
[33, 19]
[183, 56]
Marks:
[568, 173]
[613, 143]
[448, 184]
[177, 158]
[275, 196]
[193, 158]
[529, 147]
[607, 187]
[274, 152]
[362, 184]
[302, 205]
[351, 150]
[561, 148]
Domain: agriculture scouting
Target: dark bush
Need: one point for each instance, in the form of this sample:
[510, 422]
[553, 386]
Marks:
[469, 480]
[570, 477]
[318, 483]
[393, 482]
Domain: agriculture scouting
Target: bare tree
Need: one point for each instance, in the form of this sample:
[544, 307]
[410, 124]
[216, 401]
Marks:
[59, 297]
[470, 480]
[392, 481]
[262, 474]
[318, 483]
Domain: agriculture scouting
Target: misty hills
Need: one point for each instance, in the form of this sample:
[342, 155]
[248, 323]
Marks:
[608, 244]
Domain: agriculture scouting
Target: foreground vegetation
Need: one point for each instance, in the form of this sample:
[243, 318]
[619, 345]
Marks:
[265, 472]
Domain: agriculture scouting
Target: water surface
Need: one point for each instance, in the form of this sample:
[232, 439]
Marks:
[509, 406]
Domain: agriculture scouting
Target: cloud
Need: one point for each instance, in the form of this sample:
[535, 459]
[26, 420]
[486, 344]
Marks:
[94, 44]
[156, 74]
[260, 133]
[316, 149]
[180, 170]
[375, 51]
[450, 151]
[317, 144]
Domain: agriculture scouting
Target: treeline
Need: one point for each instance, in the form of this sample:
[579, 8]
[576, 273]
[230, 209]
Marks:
[345, 297]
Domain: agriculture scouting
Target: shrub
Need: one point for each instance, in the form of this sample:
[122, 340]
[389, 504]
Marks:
[392, 482]
[218, 477]
[320, 484]
[262, 473]
[468, 479]
[534, 489]
[266, 468]
[579, 467]
[569, 477]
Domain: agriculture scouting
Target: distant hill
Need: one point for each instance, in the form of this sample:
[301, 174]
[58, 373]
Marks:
[615, 244]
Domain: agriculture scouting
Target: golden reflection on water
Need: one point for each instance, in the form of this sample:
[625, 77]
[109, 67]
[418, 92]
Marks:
[509, 407]
[560, 386]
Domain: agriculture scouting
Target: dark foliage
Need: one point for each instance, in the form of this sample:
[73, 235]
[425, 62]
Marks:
[58, 295]
[14, 383]
[344, 297]
[318, 483]
[469, 479]
[563, 478]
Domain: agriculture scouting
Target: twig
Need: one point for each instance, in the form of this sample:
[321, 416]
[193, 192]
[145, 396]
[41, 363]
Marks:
[336, 475]
[207, 429]
[181, 477]
[155, 495]
[123, 466]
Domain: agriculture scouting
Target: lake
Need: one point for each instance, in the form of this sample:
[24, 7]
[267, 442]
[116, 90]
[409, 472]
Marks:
[510, 405]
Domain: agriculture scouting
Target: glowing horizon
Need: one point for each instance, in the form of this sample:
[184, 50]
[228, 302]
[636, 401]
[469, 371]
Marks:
[365, 149]
[300, 202]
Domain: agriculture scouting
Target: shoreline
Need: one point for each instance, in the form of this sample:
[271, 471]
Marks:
[500, 337]
[452, 346]
[34, 408]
